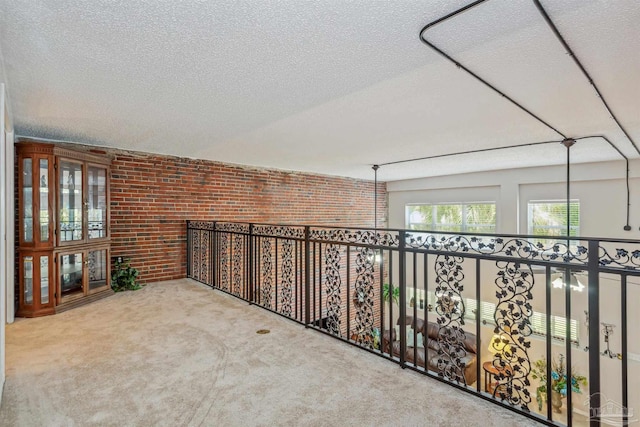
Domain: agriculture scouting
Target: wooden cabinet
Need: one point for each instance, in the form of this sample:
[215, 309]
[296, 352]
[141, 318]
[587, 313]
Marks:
[63, 227]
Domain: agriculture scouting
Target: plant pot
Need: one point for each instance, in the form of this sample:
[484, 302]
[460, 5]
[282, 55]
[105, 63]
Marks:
[556, 402]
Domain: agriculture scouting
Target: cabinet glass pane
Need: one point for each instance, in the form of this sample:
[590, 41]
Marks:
[44, 279]
[28, 279]
[97, 200]
[70, 201]
[70, 274]
[44, 200]
[97, 269]
[27, 199]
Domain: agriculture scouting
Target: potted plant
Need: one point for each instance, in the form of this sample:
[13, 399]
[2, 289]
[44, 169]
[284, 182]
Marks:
[559, 381]
[124, 277]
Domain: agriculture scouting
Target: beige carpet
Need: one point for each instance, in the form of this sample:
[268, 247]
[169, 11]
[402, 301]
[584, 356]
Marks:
[179, 354]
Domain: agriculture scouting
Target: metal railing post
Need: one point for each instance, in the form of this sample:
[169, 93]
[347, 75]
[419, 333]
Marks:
[307, 276]
[189, 267]
[594, 333]
[214, 256]
[402, 259]
[251, 264]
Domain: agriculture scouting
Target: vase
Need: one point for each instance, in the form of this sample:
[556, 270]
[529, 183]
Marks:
[556, 402]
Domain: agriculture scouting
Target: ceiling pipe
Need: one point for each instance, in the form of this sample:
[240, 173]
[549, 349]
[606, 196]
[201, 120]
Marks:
[470, 6]
[555, 30]
[481, 150]
[476, 76]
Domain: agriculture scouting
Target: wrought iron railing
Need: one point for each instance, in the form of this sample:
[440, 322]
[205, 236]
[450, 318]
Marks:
[420, 299]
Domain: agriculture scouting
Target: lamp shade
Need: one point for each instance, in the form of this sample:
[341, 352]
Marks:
[499, 345]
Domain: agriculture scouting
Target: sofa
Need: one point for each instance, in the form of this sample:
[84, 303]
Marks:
[457, 346]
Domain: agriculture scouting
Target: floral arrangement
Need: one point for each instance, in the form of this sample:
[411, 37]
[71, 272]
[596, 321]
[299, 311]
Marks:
[558, 378]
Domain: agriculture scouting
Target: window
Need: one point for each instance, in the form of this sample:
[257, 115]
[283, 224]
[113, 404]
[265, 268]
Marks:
[458, 217]
[549, 218]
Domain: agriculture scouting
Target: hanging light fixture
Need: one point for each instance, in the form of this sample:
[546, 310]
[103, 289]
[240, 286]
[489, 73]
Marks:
[574, 283]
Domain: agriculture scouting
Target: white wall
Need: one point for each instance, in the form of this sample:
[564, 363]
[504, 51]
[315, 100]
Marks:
[6, 224]
[601, 190]
[7, 218]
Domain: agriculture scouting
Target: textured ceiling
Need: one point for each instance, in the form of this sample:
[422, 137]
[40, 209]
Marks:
[328, 86]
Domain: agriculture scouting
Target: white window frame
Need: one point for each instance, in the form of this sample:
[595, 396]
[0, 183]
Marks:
[551, 227]
[464, 226]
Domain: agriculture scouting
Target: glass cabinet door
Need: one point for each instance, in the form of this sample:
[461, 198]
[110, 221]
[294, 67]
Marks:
[70, 202]
[43, 184]
[71, 276]
[44, 279]
[97, 202]
[98, 269]
[27, 200]
[28, 280]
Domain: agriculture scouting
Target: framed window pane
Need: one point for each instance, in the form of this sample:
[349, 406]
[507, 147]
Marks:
[97, 202]
[455, 217]
[71, 274]
[44, 200]
[28, 279]
[44, 279]
[70, 213]
[27, 199]
[97, 269]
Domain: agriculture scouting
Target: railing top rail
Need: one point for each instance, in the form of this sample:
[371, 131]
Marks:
[556, 250]
[409, 232]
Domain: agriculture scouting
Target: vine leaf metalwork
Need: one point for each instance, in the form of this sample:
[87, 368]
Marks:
[516, 247]
[232, 227]
[224, 261]
[238, 255]
[200, 255]
[364, 297]
[513, 326]
[290, 232]
[267, 280]
[620, 258]
[369, 237]
[450, 308]
[195, 254]
[287, 278]
[333, 283]
[201, 225]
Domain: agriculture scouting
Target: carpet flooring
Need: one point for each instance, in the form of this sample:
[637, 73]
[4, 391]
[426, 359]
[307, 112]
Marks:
[180, 354]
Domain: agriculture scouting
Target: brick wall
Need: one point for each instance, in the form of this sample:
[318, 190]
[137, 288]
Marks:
[152, 196]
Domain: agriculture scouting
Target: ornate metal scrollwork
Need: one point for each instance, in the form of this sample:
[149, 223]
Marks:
[195, 254]
[224, 261]
[520, 248]
[291, 232]
[623, 258]
[237, 266]
[369, 237]
[200, 225]
[450, 308]
[232, 227]
[287, 278]
[200, 254]
[267, 280]
[333, 284]
[363, 297]
[513, 326]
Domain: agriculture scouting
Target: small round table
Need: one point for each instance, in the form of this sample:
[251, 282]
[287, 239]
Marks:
[490, 372]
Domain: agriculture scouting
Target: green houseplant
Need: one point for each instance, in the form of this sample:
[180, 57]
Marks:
[395, 293]
[559, 381]
[124, 277]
